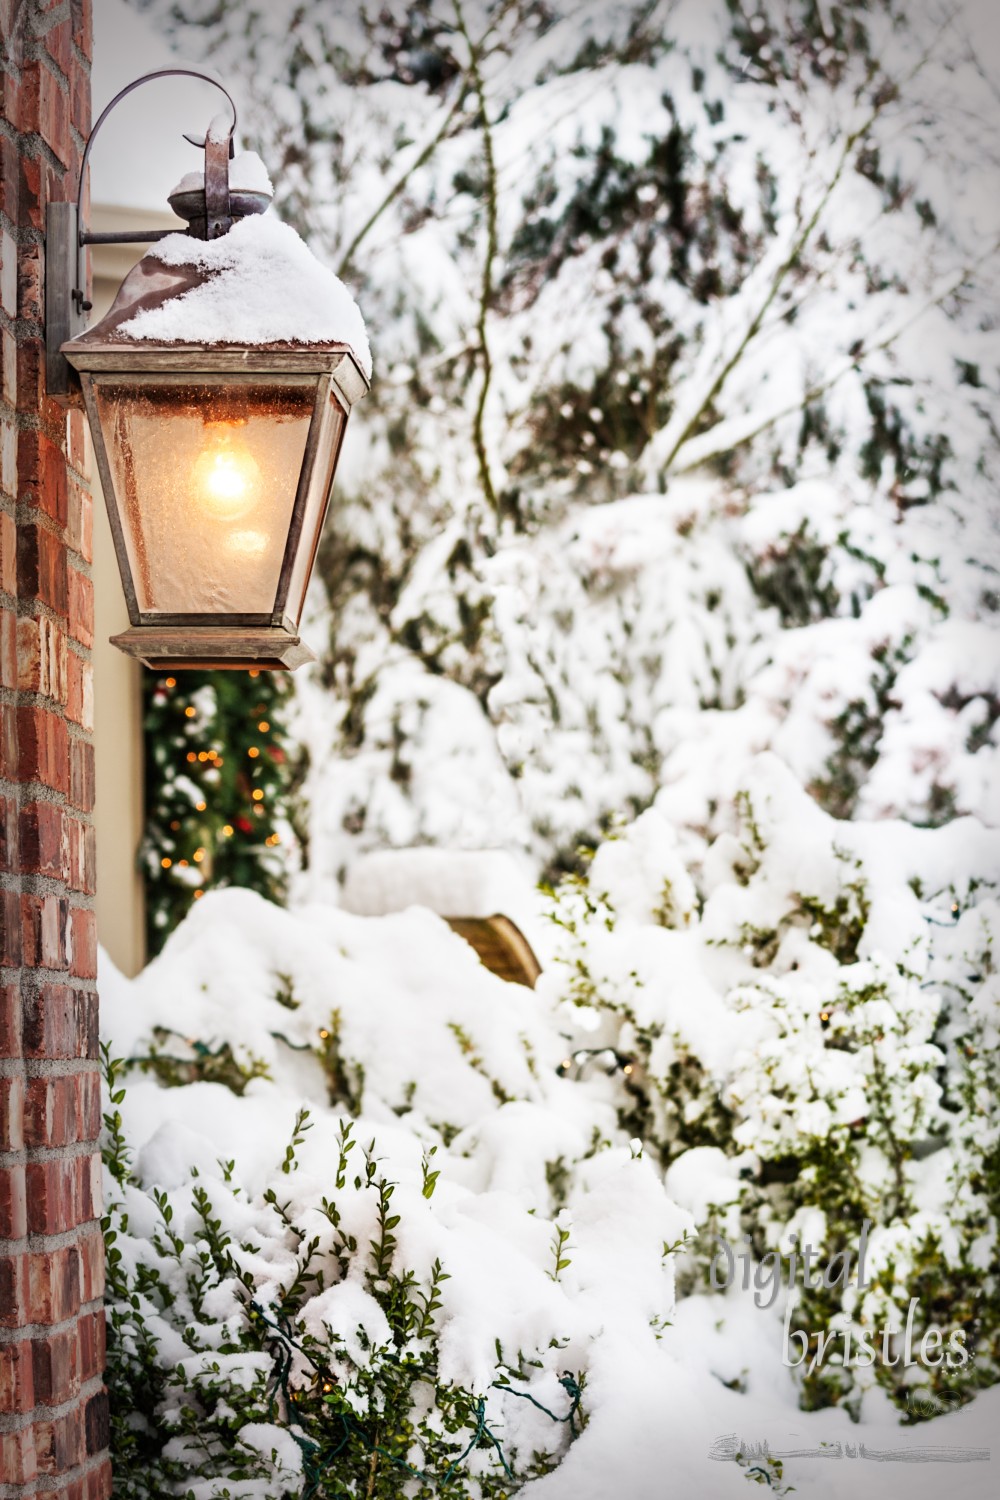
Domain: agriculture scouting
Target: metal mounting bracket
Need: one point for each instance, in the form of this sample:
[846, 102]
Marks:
[64, 316]
[66, 304]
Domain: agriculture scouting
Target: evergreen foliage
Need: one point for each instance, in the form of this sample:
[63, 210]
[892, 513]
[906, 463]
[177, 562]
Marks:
[217, 789]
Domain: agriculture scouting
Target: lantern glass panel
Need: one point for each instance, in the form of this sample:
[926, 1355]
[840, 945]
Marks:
[205, 475]
[331, 431]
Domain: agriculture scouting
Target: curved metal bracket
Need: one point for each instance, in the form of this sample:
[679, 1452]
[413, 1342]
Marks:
[217, 157]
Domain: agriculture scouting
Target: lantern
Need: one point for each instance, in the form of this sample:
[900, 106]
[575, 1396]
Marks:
[217, 389]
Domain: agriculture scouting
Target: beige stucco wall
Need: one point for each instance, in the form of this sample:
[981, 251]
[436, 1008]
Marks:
[118, 813]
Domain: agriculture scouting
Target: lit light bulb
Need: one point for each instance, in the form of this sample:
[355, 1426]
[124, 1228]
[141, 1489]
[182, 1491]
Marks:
[225, 475]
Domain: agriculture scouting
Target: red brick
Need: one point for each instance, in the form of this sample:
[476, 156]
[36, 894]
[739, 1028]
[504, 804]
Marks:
[9, 665]
[8, 834]
[97, 1417]
[8, 368]
[76, 441]
[45, 109]
[11, 954]
[36, 180]
[13, 1206]
[10, 1016]
[9, 163]
[98, 1482]
[83, 943]
[79, 102]
[30, 375]
[83, 27]
[82, 856]
[13, 1291]
[12, 1097]
[8, 741]
[56, 844]
[91, 1335]
[41, 466]
[30, 283]
[79, 690]
[8, 554]
[18, 1461]
[91, 1267]
[55, 1361]
[42, 658]
[81, 775]
[80, 520]
[60, 1023]
[62, 1193]
[8, 273]
[45, 931]
[16, 1384]
[61, 1443]
[41, 567]
[9, 92]
[81, 606]
[45, 840]
[53, 1283]
[62, 1110]
[43, 748]
[58, 43]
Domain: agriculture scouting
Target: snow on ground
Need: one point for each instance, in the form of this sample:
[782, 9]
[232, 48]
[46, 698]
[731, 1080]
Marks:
[390, 1021]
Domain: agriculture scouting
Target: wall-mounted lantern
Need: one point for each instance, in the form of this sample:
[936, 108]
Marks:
[217, 388]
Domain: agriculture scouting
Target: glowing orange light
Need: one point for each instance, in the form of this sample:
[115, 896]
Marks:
[225, 477]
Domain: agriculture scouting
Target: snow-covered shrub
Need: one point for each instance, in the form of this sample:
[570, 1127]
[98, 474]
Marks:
[680, 443]
[808, 1040]
[384, 1305]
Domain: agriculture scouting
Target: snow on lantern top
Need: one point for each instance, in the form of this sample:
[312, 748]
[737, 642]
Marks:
[258, 284]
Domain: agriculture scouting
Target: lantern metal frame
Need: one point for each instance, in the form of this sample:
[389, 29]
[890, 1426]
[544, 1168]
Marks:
[266, 639]
[78, 362]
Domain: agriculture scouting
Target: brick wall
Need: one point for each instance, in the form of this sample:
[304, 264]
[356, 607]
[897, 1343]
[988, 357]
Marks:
[53, 1408]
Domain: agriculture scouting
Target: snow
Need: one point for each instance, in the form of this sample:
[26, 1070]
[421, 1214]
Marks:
[750, 659]
[262, 285]
[246, 173]
[435, 1052]
[481, 883]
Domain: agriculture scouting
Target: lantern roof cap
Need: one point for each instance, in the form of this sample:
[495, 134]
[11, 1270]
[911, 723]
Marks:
[247, 173]
[257, 285]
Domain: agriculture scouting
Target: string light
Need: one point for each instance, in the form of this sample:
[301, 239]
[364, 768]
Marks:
[198, 894]
[191, 818]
